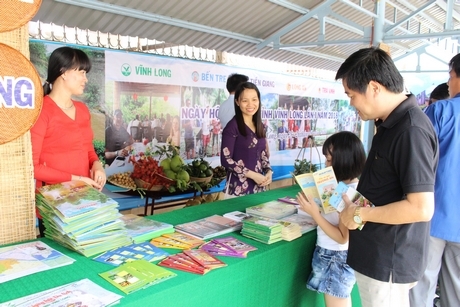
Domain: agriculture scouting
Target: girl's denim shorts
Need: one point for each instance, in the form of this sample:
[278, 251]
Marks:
[330, 273]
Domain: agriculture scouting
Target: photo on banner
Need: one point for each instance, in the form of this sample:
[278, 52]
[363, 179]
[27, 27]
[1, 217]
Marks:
[164, 99]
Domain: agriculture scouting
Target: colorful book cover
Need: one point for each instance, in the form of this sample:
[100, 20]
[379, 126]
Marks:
[325, 183]
[306, 222]
[27, 258]
[357, 198]
[307, 184]
[192, 242]
[237, 215]
[273, 209]
[170, 241]
[289, 200]
[80, 293]
[131, 253]
[204, 258]
[180, 263]
[209, 227]
[218, 249]
[235, 244]
[72, 198]
[136, 275]
[142, 229]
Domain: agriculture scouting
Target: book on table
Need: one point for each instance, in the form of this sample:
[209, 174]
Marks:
[142, 229]
[81, 218]
[289, 200]
[273, 209]
[228, 246]
[305, 221]
[28, 258]
[209, 227]
[320, 186]
[262, 229]
[80, 293]
[129, 253]
[136, 275]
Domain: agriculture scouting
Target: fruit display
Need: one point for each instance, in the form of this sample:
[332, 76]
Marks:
[219, 172]
[148, 170]
[123, 180]
[200, 168]
[173, 167]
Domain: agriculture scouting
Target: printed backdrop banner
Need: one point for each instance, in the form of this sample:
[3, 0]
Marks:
[165, 99]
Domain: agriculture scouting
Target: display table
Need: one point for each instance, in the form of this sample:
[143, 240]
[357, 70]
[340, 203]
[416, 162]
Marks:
[274, 275]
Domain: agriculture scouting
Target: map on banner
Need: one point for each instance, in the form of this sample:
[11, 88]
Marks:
[28, 258]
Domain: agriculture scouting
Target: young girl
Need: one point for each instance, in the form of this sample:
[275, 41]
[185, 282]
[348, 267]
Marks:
[244, 146]
[330, 273]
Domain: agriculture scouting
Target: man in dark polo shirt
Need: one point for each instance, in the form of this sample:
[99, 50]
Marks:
[389, 253]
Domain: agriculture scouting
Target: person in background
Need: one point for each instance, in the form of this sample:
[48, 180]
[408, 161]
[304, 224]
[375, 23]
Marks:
[134, 128]
[174, 134]
[243, 151]
[117, 140]
[389, 255]
[227, 109]
[205, 132]
[444, 240]
[330, 274]
[440, 92]
[62, 137]
[216, 128]
[189, 139]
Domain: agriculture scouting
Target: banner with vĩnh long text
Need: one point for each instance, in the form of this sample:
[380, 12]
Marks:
[298, 112]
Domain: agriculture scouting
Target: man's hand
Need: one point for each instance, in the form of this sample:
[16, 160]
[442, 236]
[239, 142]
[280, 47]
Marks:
[346, 216]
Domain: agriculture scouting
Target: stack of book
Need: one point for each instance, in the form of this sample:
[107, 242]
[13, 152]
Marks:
[290, 231]
[142, 229]
[136, 275]
[209, 227]
[305, 221]
[81, 218]
[228, 246]
[196, 261]
[176, 240]
[262, 229]
[273, 209]
[132, 252]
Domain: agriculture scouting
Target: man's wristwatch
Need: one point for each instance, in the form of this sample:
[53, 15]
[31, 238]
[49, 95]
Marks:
[357, 216]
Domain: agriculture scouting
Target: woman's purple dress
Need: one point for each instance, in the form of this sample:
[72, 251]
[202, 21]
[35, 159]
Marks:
[239, 154]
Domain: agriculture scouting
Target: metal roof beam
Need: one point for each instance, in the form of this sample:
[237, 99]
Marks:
[442, 4]
[414, 13]
[450, 8]
[289, 27]
[323, 43]
[454, 33]
[413, 8]
[124, 11]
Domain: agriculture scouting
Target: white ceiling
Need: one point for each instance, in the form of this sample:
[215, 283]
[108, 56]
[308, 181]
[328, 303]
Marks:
[262, 28]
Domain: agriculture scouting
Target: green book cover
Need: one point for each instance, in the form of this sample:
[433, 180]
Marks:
[136, 275]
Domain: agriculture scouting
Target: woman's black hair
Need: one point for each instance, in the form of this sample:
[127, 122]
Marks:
[347, 152]
[256, 118]
[63, 59]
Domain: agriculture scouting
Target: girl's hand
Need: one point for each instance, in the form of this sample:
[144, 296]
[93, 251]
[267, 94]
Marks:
[307, 204]
[268, 179]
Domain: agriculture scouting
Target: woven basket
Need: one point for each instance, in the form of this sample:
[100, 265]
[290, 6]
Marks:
[201, 180]
[14, 14]
[15, 121]
[17, 198]
[141, 184]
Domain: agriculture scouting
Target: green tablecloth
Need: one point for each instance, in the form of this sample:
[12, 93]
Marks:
[274, 275]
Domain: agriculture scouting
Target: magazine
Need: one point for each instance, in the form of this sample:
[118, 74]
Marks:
[136, 275]
[209, 227]
[305, 221]
[132, 252]
[28, 258]
[141, 229]
[319, 185]
[273, 209]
